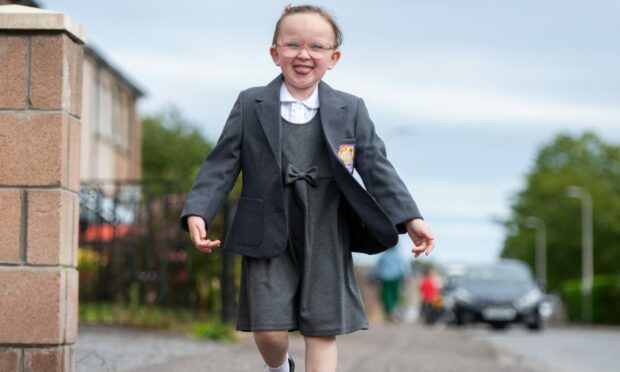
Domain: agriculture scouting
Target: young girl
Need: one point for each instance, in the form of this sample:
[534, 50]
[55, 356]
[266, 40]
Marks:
[301, 212]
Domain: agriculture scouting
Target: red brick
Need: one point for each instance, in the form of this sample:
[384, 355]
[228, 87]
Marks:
[69, 362]
[76, 227]
[9, 359]
[75, 57]
[10, 226]
[71, 312]
[51, 227]
[33, 305]
[44, 360]
[33, 147]
[73, 167]
[56, 73]
[13, 52]
[47, 71]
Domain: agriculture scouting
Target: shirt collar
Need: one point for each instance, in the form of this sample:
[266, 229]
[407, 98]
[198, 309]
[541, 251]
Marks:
[311, 102]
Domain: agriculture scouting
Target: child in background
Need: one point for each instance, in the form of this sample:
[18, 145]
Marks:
[297, 142]
[391, 269]
[431, 297]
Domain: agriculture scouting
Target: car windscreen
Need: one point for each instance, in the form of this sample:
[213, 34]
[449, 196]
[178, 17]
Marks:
[498, 274]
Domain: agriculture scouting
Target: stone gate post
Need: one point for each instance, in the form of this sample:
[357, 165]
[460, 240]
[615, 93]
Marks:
[40, 104]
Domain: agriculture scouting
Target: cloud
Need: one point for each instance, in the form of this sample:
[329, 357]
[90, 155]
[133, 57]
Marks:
[193, 70]
[477, 107]
[471, 98]
[463, 200]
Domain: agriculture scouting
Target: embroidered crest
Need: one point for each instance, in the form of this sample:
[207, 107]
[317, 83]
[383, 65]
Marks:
[346, 153]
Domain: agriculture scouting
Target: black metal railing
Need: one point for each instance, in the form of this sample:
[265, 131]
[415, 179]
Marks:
[133, 251]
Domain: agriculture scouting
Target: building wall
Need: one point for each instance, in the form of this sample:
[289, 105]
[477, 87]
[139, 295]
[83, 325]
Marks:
[111, 129]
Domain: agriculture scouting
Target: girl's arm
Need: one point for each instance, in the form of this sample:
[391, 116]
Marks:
[384, 184]
[379, 176]
[218, 172]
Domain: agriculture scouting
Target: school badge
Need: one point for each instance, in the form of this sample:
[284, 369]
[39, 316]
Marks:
[346, 153]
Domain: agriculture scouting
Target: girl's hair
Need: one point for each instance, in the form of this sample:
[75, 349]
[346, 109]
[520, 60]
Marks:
[289, 10]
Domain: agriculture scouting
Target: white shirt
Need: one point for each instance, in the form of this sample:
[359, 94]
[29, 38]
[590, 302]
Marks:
[296, 111]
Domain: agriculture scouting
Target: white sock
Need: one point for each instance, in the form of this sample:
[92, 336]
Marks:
[283, 368]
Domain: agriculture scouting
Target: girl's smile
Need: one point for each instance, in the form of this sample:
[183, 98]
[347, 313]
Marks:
[302, 69]
[304, 52]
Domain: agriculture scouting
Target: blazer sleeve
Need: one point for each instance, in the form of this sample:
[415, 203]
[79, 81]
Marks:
[218, 172]
[379, 176]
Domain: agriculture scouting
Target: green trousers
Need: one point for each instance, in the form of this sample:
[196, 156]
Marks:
[390, 293]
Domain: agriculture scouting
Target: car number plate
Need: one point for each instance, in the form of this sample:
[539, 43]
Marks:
[499, 313]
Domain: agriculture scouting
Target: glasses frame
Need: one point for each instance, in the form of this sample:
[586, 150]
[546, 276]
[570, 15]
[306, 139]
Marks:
[312, 53]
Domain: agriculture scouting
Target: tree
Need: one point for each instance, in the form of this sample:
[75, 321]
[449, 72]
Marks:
[584, 161]
[172, 152]
[172, 147]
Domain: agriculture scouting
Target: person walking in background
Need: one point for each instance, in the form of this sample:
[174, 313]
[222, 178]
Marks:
[431, 298]
[391, 269]
[301, 213]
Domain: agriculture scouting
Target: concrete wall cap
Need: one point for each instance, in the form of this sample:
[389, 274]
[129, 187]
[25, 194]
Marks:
[19, 17]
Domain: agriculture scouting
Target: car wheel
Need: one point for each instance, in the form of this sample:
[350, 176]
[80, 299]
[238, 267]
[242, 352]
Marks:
[459, 318]
[535, 325]
[499, 325]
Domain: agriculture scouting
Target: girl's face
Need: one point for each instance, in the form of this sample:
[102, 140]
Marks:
[304, 52]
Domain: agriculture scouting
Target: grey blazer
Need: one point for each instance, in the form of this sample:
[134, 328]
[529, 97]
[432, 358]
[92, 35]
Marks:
[250, 142]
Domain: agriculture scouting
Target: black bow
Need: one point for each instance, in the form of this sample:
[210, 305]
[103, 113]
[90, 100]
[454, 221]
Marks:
[293, 174]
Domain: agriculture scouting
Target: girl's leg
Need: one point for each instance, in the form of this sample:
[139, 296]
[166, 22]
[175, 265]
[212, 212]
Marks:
[273, 346]
[321, 354]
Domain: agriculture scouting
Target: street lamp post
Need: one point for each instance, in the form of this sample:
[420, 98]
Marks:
[587, 265]
[541, 248]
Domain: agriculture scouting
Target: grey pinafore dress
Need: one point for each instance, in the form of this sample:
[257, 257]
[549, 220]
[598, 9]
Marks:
[311, 287]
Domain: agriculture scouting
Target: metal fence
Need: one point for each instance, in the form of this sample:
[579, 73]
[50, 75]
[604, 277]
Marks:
[132, 249]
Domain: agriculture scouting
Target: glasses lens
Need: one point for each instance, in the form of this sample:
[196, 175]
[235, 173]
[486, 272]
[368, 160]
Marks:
[293, 49]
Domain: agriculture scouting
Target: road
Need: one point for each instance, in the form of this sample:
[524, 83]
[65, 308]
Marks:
[383, 348]
[404, 347]
[568, 349]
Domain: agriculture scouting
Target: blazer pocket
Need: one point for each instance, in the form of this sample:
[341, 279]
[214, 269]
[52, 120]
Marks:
[247, 227]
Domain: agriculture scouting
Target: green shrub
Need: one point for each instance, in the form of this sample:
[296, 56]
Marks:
[605, 299]
[182, 321]
[214, 330]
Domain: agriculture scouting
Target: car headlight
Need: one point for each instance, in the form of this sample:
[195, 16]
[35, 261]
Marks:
[465, 296]
[529, 299]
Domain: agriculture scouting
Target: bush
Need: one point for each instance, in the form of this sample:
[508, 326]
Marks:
[214, 330]
[136, 315]
[605, 299]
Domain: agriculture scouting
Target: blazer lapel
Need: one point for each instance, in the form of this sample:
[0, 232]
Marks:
[333, 111]
[268, 112]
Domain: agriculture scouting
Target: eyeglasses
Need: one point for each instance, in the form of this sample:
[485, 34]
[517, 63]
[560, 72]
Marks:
[316, 50]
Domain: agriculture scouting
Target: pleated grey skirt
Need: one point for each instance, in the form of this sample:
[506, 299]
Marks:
[312, 286]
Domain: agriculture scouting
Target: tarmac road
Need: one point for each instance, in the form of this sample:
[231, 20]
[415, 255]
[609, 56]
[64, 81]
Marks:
[383, 348]
[566, 349]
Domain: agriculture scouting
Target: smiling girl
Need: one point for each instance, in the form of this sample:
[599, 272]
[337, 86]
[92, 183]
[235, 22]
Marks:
[301, 212]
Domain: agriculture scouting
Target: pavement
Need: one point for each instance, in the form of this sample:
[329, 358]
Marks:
[388, 347]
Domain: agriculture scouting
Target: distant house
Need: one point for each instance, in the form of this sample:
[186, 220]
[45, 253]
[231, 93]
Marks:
[111, 128]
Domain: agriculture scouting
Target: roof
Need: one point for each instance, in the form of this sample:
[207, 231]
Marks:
[94, 53]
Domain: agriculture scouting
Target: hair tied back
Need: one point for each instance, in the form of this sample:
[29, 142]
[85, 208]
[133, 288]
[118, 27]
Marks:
[287, 7]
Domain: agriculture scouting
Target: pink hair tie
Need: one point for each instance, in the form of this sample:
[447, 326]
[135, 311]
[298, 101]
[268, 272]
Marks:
[287, 7]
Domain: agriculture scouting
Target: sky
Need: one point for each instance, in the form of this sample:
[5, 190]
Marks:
[464, 93]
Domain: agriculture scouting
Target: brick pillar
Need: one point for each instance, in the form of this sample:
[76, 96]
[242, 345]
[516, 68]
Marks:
[40, 105]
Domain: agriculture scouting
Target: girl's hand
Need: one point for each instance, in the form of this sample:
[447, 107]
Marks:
[421, 236]
[198, 234]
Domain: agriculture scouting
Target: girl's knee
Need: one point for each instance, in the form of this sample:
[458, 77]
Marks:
[318, 340]
[271, 336]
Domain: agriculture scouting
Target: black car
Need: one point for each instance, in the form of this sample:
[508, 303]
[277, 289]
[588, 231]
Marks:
[499, 294]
